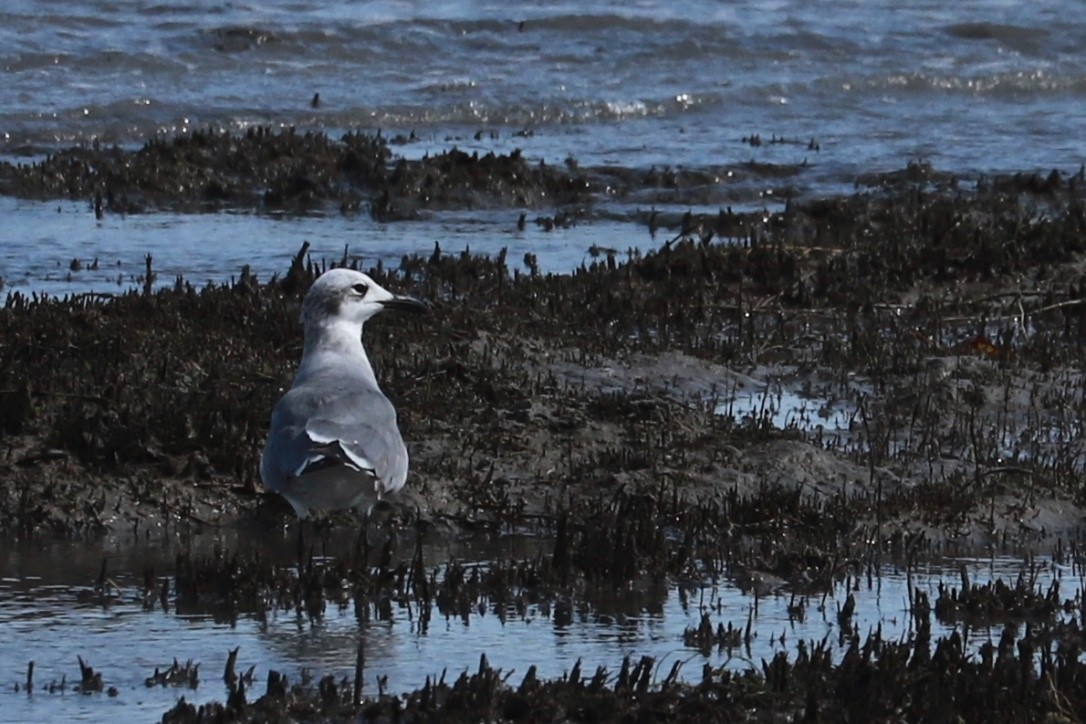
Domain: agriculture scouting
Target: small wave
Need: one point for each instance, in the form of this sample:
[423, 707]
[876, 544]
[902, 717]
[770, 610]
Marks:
[32, 61]
[1016, 37]
[238, 39]
[588, 23]
[995, 31]
[521, 113]
[456, 85]
[1007, 84]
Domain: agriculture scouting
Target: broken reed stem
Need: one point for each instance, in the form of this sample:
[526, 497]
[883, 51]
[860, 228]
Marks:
[229, 674]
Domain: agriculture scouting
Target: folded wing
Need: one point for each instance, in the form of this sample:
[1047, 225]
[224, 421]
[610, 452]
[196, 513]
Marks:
[312, 432]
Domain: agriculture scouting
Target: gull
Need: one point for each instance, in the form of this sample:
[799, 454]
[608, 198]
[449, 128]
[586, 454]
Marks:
[334, 441]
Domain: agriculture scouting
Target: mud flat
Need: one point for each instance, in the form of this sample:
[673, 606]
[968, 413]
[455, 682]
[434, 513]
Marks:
[794, 396]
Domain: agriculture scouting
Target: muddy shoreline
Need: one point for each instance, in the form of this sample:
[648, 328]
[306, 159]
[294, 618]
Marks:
[940, 315]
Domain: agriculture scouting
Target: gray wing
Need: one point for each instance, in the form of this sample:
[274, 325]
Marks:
[356, 428]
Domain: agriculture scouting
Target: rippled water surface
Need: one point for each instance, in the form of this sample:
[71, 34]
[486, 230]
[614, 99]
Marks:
[971, 87]
[632, 83]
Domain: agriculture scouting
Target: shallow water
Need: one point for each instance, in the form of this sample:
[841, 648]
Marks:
[51, 615]
[38, 248]
[972, 87]
[787, 405]
[844, 415]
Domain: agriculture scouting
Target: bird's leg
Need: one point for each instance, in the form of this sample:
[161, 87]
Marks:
[379, 523]
[301, 545]
[320, 526]
[418, 569]
[317, 523]
[326, 531]
[363, 543]
[374, 519]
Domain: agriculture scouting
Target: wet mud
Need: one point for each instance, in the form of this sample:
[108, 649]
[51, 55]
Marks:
[940, 316]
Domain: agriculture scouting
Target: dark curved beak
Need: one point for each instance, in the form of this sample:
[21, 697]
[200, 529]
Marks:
[406, 304]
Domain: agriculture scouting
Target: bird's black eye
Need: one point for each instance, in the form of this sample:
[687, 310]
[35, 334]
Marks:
[361, 288]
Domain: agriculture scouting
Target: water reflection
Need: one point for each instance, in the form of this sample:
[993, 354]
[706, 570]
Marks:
[37, 255]
[53, 608]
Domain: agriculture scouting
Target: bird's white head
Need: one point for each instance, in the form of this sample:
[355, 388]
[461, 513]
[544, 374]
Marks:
[345, 295]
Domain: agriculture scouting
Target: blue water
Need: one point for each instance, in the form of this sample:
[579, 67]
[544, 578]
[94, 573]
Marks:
[973, 87]
[50, 615]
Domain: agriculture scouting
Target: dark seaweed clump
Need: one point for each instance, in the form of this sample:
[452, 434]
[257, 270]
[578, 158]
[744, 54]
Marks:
[178, 382]
[875, 680]
[207, 169]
